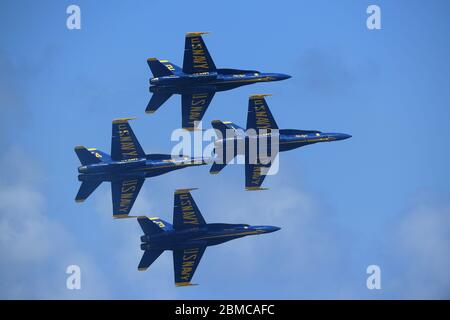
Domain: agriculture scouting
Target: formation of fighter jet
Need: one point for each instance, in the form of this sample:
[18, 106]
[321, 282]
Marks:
[126, 168]
[261, 120]
[198, 81]
[188, 237]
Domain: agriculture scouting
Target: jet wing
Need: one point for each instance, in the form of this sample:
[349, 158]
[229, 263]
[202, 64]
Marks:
[254, 175]
[185, 263]
[124, 145]
[196, 55]
[193, 107]
[124, 193]
[259, 115]
[185, 211]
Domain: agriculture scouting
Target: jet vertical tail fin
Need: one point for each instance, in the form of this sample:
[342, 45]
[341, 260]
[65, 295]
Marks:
[153, 225]
[87, 157]
[227, 145]
[161, 68]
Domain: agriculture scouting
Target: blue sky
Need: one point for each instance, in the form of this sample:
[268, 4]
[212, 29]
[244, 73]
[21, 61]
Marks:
[381, 197]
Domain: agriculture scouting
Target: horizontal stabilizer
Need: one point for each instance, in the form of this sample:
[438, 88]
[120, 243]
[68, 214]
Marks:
[86, 188]
[148, 258]
[157, 100]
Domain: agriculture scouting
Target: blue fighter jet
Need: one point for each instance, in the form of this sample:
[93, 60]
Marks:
[126, 168]
[188, 237]
[198, 81]
[260, 124]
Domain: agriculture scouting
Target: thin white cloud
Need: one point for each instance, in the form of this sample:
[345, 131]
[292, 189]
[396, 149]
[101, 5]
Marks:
[36, 249]
[311, 257]
[420, 250]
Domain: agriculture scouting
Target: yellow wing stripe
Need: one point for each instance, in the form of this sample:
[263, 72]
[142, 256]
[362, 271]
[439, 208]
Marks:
[184, 284]
[195, 34]
[181, 191]
[259, 96]
[122, 120]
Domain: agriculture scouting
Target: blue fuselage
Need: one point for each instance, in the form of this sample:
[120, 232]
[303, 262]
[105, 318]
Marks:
[135, 168]
[288, 139]
[223, 79]
[293, 140]
[209, 235]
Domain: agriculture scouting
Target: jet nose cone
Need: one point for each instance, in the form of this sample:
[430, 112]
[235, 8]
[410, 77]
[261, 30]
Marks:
[338, 136]
[282, 76]
[273, 229]
[268, 229]
[343, 136]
